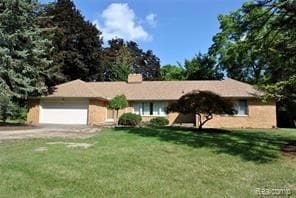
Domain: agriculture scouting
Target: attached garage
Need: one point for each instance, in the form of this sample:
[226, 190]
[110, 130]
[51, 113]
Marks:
[63, 111]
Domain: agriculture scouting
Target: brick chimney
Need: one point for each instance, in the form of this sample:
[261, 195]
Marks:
[135, 78]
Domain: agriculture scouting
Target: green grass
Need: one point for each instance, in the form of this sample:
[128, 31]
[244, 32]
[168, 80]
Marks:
[150, 163]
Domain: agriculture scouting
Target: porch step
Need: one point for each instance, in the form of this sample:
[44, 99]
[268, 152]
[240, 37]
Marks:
[109, 124]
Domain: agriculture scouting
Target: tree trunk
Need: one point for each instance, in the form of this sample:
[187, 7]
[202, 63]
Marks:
[116, 117]
[208, 117]
[201, 124]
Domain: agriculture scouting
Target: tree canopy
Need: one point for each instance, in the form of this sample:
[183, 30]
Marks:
[204, 104]
[24, 64]
[117, 103]
[121, 58]
[172, 72]
[257, 44]
[202, 67]
[77, 43]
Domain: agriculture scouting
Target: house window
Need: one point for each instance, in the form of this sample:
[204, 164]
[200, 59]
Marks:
[146, 108]
[150, 108]
[241, 107]
[138, 108]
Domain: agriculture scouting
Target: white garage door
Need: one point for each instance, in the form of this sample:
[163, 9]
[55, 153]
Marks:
[63, 112]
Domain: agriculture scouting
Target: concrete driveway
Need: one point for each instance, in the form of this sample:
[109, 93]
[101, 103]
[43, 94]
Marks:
[48, 131]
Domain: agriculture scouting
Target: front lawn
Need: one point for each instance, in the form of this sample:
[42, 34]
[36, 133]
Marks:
[150, 162]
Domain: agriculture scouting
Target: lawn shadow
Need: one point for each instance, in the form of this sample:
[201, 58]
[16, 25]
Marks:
[258, 147]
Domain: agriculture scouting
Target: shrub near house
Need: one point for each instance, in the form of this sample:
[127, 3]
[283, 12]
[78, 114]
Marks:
[129, 119]
[159, 121]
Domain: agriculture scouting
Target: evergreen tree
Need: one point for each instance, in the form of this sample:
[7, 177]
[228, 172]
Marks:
[24, 65]
[78, 43]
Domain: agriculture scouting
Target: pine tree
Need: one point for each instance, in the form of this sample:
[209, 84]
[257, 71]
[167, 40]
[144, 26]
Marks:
[24, 65]
[77, 43]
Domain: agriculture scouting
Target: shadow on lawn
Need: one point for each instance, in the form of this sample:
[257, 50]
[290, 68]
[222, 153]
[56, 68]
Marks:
[259, 147]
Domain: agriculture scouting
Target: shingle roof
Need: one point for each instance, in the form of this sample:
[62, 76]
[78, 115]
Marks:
[75, 88]
[153, 90]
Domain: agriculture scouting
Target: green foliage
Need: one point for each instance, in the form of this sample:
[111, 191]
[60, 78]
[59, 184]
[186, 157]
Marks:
[129, 119]
[129, 58]
[5, 108]
[257, 44]
[202, 67]
[19, 112]
[241, 58]
[120, 72]
[118, 102]
[202, 103]
[24, 62]
[10, 109]
[159, 121]
[285, 94]
[122, 66]
[77, 43]
[172, 72]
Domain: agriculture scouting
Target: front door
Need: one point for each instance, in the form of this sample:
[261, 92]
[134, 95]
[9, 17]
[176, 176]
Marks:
[110, 115]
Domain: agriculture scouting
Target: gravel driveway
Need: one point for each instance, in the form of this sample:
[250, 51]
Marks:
[46, 131]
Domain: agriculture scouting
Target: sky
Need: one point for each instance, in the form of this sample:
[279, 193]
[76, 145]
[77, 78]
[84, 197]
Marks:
[174, 30]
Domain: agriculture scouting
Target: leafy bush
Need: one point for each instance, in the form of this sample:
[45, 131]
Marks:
[129, 119]
[159, 121]
[5, 108]
[12, 110]
[19, 113]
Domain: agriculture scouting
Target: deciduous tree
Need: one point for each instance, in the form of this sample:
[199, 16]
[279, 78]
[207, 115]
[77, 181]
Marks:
[78, 43]
[172, 72]
[204, 104]
[138, 61]
[202, 67]
[117, 103]
[257, 44]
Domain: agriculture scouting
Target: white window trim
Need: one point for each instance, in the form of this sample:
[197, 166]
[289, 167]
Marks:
[142, 112]
[247, 108]
[238, 115]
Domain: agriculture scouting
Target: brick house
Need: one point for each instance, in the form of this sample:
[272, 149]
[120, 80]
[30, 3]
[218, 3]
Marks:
[79, 102]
